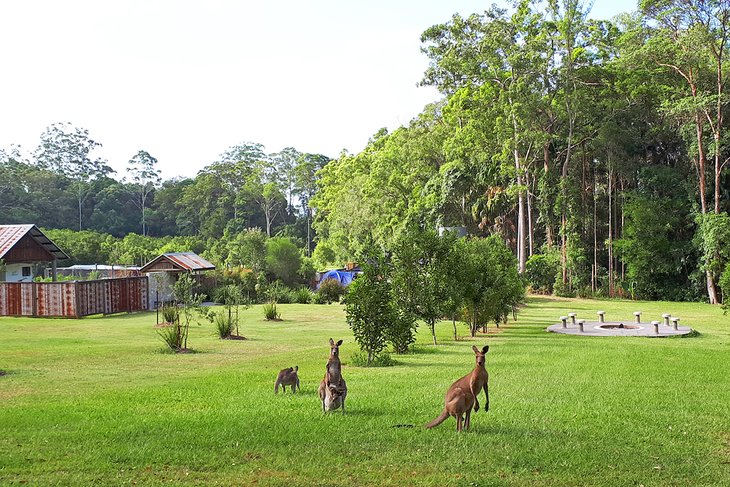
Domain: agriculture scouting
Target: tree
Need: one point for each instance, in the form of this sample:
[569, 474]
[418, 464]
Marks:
[271, 201]
[305, 186]
[691, 40]
[284, 165]
[421, 275]
[369, 308]
[190, 302]
[283, 259]
[67, 149]
[489, 284]
[248, 249]
[141, 168]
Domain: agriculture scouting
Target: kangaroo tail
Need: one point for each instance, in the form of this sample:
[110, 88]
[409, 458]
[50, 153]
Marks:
[442, 417]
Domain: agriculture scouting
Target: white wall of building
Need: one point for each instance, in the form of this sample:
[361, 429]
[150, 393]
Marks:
[14, 273]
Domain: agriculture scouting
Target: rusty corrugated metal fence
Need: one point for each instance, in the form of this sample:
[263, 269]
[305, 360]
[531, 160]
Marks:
[73, 299]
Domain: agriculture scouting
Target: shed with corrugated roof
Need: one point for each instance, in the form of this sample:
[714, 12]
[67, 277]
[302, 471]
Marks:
[164, 271]
[22, 247]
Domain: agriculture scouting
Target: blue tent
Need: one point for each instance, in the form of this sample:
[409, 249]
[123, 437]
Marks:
[344, 277]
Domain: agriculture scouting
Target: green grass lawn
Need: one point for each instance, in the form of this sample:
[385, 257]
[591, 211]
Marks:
[95, 402]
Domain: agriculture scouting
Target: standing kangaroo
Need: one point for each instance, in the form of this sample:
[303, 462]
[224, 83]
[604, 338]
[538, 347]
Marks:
[333, 388]
[288, 377]
[463, 394]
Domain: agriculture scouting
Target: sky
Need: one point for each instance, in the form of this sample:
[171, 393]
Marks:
[185, 80]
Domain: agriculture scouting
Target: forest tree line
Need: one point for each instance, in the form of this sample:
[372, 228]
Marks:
[595, 149]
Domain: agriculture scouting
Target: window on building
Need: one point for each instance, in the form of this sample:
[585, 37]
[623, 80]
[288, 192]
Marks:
[26, 271]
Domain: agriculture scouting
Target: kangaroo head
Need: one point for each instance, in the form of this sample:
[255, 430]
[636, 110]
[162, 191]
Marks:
[480, 355]
[335, 348]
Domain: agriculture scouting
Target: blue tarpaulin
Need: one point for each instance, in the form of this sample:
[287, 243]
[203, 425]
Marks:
[344, 277]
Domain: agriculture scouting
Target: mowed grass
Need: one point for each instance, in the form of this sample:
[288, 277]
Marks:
[96, 402]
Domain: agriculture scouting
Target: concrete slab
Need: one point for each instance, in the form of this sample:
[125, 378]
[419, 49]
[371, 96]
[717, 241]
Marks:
[611, 328]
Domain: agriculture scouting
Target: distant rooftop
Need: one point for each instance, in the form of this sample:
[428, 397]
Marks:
[10, 235]
[178, 262]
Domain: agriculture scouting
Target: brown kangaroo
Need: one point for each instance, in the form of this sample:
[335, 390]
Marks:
[462, 395]
[332, 396]
[288, 377]
[333, 370]
[333, 388]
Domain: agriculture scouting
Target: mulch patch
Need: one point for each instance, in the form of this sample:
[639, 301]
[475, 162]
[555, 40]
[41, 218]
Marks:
[235, 337]
[164, 324]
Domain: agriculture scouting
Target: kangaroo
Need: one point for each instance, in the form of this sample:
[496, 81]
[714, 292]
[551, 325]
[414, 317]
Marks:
[333, 388]
[333, 374]
[288, 377]
[332, 396]
[462, 395]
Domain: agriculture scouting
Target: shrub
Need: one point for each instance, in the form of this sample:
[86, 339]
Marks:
[302, 296]
[330, 291]
[170, 313]
[401, 332]
[370, 310]
[279, 293]
[540, 271]
[360, 359]
[270, 312]
[725, 287]
[224, 326]
[173, 336]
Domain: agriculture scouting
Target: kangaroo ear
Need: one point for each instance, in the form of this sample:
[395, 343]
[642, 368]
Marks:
[296, 368]
[332, 343]
[485, 349]
[339, 343]
[476, 350]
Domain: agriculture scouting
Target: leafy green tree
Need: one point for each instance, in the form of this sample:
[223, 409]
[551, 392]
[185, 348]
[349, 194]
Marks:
[714, 243]
[284, 164]
[67, 149]
[84, 247]
[369, 308]
[283, 259]
[145, 178]
[422, 274]
[489, 283]
[248, 249]
[189, 304]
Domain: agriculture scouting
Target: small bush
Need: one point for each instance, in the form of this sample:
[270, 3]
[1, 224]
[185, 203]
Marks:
[170, 313]
[360, 359]
[224, 326]
[541, 270]
[725, 287]
[279, 293]
[173, 336]
[270, 312]
[330, 291]
[401, 332]
[302, 296]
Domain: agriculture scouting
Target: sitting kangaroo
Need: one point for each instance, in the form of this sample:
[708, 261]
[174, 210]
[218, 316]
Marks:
[462, 395]
[333, 388]
[287, 377]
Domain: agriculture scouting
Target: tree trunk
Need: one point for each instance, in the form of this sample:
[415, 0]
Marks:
[610, 230]
[521, 247]
[530, 229]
